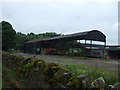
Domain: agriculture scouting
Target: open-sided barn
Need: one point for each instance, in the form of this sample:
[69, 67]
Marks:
[67, 43]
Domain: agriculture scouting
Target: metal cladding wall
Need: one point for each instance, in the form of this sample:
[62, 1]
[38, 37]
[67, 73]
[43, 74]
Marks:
[113, 52]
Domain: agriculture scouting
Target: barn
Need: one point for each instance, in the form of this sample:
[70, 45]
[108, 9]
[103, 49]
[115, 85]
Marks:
[113, 51]
[69, 43]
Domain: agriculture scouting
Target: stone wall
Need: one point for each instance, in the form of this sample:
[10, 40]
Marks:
[39, 74]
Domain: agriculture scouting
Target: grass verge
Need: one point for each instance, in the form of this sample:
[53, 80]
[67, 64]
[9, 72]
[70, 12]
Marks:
[110, 77]
[9, 78]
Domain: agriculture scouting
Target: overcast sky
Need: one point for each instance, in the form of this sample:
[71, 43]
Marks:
[66, 17]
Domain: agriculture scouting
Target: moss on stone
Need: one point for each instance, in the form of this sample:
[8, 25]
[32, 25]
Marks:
[75, 82]
[17, 59]
[50, 69]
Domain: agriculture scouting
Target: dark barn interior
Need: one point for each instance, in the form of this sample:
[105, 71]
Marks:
[113, 52]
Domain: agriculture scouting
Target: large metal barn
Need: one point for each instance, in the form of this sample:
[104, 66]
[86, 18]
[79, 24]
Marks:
[69, 44]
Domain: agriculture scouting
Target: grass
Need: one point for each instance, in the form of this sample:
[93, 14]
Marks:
[0, 75]
[78, 57]
[10, 77]
[7, 75]
[110, 77]
[80, 69]
[56, 61]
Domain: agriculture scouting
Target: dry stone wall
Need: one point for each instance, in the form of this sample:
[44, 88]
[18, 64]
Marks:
[39, 74]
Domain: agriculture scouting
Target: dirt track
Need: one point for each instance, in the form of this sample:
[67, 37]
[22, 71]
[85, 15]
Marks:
[108, 64]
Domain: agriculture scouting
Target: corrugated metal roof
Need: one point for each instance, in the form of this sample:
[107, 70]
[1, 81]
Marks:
[117, 47]
[68, 36]
[94, 35]
[37, 40]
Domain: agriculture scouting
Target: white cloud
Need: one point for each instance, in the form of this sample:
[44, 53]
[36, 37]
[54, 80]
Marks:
[0, 12]
[64, 17]
[59, 0]
[117, 24]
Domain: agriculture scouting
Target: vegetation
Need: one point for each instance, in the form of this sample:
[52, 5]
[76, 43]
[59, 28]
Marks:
[96, 72]
[16, 40]
[31, 71]
[109, 76]
[8, 36]
[21, 39]
[9, 78]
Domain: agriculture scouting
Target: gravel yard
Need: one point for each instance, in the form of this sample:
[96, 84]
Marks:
[104, 63]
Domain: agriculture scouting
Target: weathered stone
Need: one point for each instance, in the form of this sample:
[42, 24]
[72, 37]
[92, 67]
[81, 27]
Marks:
[27, 59]
[109, 87]
[87, 82]
[72, 84]
[50, 69]
[82, 76]
[80, 79]
[36, 69]
[117, 85]
[76, 81]
[62, 77]
[98, 83]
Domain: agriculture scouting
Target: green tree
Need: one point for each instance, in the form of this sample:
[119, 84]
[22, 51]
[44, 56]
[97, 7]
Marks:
[8, 36]
[20, 39]
[50, 34]
[31, 36]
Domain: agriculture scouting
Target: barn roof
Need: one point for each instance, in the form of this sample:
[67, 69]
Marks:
[37, 40]
[94, 35]
[113, 48]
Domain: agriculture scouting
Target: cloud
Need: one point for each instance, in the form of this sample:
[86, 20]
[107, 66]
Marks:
[117, 24]
[59, 0]
[0, 12]
[64, 17]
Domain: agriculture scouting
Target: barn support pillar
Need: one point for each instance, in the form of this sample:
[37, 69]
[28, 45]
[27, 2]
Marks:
[90, 44]
[104, 50]
[85, 49]
[72, 46]
[85, 44]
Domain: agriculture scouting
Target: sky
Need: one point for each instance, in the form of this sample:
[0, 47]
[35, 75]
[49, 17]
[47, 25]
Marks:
[62, 16]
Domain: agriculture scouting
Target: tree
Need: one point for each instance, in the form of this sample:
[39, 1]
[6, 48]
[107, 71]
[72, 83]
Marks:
[20, 39]
[11, 39]
[50, 34]
[8, 36]
[0, 36]
[31, 36]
